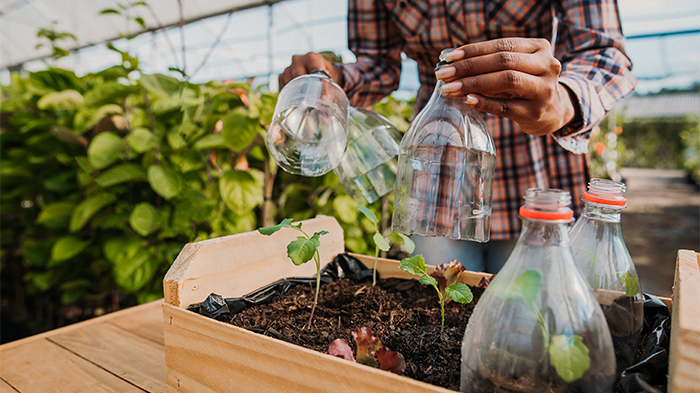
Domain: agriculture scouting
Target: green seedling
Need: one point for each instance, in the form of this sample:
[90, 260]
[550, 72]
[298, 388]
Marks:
[443, 279]
[370, 351]
[301, 251]
[567, 353]
[380, 242]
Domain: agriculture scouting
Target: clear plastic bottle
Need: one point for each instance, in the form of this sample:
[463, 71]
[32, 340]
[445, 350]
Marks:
[308, 134]
[537, 327]
[368, 168]
[602, 256]
[444, 183]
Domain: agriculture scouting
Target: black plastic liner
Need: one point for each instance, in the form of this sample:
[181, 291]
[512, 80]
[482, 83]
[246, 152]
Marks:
[649, 374]
[222, 309]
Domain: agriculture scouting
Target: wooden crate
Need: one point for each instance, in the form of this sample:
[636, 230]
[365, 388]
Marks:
[205, 355]
[684, 362]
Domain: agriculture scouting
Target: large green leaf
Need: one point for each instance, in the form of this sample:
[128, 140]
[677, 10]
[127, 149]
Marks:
[132, 265]
[142, 140]
[302, 250]
[344, 207]
[120, 174]
[86, 209]
[37, 252]
[144, 219]
[160, 84]
[108, 92]
[105, 149]
[209, 142]
[60, 100]
[415, 265]
[165, 181]
[175, 139]
[87, 117]
[528, 284]
[239, 130]
[56, 215]
[67, 247]
[241, 191]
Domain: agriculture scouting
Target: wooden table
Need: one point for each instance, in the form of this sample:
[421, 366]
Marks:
[119, 352]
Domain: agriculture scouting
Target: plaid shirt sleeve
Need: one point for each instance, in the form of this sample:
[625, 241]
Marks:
[594, 66]
[377, 44]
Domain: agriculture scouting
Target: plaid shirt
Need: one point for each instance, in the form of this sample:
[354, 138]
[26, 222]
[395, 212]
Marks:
[589, 45]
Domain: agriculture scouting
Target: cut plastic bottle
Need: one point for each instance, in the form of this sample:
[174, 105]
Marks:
[368, 168]
[309, 130]
[602, 256]
[537, 327]
[444, 183]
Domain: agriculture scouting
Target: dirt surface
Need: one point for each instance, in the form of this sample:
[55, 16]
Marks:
[662, 216]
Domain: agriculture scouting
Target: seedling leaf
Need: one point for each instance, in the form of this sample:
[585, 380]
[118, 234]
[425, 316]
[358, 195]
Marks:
[414, 265]
[427, 280]
[459, 292]
[303, 249]
[446, 274]
[340, 348]
[368, 213]
[631, 284]
[367, 344]
[528, 284]
[569, 356]
[380, 242]
[410, 245]
[286, 223]
[390, 360]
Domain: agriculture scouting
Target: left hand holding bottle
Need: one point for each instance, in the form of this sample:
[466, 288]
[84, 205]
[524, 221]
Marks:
[517, 78]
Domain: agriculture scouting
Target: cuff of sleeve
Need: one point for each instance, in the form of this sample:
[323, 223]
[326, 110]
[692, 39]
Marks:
[574, 137]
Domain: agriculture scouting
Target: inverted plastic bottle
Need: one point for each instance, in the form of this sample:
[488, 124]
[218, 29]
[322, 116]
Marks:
[368, 168]
[444, 183]
[537, 327]
[602, 256]
[309, 134]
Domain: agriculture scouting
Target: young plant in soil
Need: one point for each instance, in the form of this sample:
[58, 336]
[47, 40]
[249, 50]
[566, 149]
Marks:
[567, 353]
[301, 251]
[370, 351]
[380, 242]
[443, 279]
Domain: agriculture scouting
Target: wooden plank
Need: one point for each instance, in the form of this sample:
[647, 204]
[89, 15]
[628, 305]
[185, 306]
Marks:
[151, 308]
[135, 359]
[6, 388]
[204, 355]
[684, 363]
[147, 322]
[41, 366]
[215, 265]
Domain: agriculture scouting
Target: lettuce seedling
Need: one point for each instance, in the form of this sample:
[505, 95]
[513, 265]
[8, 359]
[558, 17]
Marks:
[380, 242]
[370, 351]
[443, 279]
[301, 251]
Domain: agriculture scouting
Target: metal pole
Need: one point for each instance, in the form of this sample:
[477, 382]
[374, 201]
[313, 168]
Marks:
[273, 83]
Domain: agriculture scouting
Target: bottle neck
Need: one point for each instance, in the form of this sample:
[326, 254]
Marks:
[601, 212]
[544, 233]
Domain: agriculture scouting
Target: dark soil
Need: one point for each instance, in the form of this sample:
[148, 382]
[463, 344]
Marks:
[404, 314]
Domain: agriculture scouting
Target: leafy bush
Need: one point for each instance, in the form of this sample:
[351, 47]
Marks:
[106, 177]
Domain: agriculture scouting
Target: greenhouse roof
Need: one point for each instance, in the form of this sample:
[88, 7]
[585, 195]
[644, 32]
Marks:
[20, 20]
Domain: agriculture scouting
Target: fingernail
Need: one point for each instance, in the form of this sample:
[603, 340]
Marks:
[445, 72]
[451, 87]
[471, 100]
[454, 55]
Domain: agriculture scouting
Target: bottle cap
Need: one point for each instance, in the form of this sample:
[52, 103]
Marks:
[606, 192]
[547, 204]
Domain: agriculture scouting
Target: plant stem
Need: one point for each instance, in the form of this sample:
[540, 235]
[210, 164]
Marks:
[442, 311]
[317, 259]
[374, 273]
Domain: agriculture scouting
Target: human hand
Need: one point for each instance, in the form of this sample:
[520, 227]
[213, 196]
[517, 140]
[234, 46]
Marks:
[515, 78]
[304, 64]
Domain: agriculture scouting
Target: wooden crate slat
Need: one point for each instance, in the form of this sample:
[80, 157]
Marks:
[229, 356]
[41, 366]
[134, 358]
[684, 364]
[217, 265]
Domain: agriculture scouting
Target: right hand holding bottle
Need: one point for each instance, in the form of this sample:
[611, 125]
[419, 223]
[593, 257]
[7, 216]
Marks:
[305, 64]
